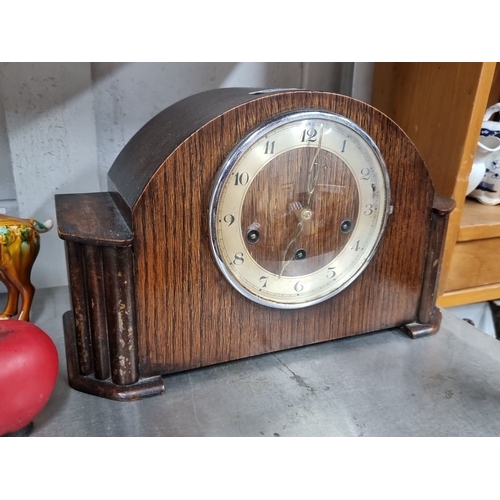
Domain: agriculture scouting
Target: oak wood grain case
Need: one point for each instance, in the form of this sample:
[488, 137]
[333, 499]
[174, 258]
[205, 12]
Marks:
[147, 297]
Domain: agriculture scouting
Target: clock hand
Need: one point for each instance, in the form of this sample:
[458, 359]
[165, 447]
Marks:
[302, 214]
[312, 173]
[293, 242]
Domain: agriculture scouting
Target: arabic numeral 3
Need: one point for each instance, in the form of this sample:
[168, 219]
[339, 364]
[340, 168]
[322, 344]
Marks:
[368, 209]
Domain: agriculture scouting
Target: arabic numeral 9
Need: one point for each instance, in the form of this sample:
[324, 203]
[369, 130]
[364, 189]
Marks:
[229, 219]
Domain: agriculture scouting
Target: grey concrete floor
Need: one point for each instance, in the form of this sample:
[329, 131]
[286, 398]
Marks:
[379, 384]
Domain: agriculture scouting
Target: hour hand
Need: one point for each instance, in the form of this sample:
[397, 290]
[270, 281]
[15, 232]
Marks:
[302, 213]
[295, 207]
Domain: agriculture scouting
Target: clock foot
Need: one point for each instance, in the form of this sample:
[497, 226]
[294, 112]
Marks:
[417, 330]
[143, 388]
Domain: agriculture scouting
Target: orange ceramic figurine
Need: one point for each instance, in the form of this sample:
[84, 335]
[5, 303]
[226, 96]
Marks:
[19, 246]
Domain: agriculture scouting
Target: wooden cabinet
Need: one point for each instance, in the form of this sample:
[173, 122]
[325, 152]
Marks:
[441, 107]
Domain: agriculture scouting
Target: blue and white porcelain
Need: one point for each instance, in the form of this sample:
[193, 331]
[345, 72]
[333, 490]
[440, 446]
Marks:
[484, 179]
[490, 127]
[487, 161]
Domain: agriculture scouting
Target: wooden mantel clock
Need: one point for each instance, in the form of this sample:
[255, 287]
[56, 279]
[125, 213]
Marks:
[240, 222]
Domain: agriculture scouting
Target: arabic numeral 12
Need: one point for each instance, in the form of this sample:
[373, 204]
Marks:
[309, 135]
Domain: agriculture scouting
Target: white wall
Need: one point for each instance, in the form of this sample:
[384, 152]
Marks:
[63, 124]
[51, 133]
[7, 186]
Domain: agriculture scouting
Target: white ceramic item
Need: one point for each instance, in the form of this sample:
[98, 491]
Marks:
[476, 174]
[487, 159]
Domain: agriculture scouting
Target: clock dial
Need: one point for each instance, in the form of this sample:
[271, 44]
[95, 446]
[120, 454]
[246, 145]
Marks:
[298, 209]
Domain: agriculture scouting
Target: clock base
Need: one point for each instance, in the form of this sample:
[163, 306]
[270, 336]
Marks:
[154, 386]
[143, 388]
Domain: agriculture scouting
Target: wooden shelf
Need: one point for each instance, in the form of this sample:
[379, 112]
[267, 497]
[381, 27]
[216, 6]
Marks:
[473, 273]
[469, 295]
[441, 107]
[479, 221]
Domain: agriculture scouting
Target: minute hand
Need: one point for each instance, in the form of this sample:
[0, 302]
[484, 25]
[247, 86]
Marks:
[312, 173]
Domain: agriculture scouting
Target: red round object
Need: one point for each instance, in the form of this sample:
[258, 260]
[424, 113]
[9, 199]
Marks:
[29, 365]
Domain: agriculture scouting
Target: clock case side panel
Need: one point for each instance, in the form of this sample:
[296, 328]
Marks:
[100, 330]
[189, 316]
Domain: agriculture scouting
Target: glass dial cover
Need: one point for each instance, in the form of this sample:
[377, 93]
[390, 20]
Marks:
[298, 209]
